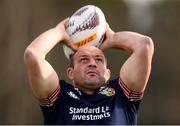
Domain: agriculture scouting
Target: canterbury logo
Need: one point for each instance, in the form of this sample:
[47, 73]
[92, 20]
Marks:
[71, 94]
[86, 40]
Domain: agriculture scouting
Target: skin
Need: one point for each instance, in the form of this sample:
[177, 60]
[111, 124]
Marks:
[89, 73]
[90, 70]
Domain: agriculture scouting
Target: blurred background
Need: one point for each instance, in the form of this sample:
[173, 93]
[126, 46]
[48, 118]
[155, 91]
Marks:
[21, 21]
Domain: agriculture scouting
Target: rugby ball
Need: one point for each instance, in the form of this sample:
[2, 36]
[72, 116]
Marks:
[85, 27]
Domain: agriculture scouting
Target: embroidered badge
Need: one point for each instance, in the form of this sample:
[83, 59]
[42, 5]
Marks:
[71, 94]
[108, 91]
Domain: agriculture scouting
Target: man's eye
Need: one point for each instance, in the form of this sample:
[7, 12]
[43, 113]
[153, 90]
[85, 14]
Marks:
[99, 59]
[83, 59]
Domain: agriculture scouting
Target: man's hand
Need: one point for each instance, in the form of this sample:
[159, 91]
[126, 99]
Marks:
[65, 36]
[108, 42]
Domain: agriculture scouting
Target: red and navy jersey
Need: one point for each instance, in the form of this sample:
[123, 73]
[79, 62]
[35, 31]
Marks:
[111, 104]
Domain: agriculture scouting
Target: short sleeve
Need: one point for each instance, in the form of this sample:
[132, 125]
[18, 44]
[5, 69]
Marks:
[131, 95]
[51, 99]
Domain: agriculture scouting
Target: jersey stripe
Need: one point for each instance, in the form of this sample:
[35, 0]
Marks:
[131, 95]
[51, 99]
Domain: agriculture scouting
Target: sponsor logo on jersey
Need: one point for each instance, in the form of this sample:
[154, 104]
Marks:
[107, 91]
[89, 113]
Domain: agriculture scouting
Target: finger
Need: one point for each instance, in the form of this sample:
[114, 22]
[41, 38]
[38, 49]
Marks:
[63, 23]
[104, 46]
[70, 44]
[65, 20]
[107, 25]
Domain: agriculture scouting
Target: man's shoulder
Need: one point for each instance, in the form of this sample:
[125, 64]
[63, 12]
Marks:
[65, 86]
[65, 83]
[113, 83]
[114, 80]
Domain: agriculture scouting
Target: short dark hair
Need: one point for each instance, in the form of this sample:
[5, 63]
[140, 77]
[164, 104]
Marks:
[71, 60]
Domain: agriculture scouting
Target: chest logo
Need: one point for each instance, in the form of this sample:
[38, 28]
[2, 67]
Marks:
[71, 94]
[108, 91]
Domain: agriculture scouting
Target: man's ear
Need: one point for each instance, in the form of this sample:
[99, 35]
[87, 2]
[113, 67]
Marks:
[70, 73]
[108, 74]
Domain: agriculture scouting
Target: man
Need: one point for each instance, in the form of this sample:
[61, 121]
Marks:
[91, 98]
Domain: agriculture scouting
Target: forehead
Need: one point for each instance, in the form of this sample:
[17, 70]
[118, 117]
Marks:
[88, 51]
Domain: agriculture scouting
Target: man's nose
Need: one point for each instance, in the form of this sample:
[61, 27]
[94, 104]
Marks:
[92, 63]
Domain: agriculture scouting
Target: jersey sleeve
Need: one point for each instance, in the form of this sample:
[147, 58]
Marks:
[55, 103]
[131, 95]
[129, 99]
[51, 99]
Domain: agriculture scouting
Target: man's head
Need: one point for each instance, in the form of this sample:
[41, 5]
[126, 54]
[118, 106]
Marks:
[88, 68]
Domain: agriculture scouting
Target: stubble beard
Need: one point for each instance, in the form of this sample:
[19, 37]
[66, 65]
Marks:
[94, 82]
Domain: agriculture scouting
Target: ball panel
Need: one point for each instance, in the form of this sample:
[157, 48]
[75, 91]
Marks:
[86, 26]
[80, 11]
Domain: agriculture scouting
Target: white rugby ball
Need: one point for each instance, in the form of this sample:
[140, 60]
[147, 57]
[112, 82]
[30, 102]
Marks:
[86, 26]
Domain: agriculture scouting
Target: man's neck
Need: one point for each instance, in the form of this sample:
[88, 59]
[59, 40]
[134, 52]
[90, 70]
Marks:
[88, 91]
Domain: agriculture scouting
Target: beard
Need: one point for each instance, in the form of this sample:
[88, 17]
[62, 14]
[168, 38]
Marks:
[93, 82]
[89, 80]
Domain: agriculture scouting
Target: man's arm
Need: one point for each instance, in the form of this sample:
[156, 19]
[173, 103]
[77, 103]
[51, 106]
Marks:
[42, 77]
[136, 70]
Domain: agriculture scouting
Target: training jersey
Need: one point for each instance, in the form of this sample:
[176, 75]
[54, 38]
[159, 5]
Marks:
[111, 104]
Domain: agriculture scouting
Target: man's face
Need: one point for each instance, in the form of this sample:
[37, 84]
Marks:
[90, 70]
